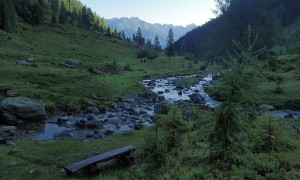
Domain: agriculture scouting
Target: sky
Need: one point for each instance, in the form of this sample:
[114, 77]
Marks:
[176, 12]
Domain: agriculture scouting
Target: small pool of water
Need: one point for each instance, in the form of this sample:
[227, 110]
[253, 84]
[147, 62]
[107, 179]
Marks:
[51, 131]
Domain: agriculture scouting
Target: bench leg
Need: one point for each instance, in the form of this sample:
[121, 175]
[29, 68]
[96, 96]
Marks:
[126, 160]
[93, 170]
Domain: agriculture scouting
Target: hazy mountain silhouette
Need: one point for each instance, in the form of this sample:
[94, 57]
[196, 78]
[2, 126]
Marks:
[149, 31]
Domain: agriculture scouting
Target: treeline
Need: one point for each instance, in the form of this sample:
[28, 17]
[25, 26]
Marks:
[36, 12]
[266, 17]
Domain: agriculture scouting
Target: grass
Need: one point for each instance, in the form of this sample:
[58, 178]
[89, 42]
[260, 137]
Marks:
[62, 87]
[27, 159]
[290, 86]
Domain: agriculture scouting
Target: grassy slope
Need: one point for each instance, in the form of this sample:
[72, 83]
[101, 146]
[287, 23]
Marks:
[289, 70]
[51, 46]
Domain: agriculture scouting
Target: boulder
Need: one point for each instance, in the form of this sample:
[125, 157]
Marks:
[23, 63]
[73, 62]
[160, 92]
[8, 128]
[30, 59]
[137, 125]
[95, 70]
[136, 111]
[188, 114]
[12, 93]
[196, 98]
[161, 108]
[22, 108]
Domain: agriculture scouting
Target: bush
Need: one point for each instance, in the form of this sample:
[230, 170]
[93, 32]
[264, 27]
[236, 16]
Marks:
[146, 54]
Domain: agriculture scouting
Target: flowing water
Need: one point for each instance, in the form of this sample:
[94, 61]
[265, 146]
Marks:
[115, 120]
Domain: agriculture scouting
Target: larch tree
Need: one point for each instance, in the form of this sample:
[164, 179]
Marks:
[238, 85]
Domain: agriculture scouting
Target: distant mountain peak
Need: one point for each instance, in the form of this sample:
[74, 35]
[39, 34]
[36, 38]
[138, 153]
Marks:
[149, 30]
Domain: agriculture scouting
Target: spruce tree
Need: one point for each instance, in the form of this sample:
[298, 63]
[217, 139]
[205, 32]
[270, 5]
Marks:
[170, 50]
[7, 15]
[139, 37]
[157, 46]
[63, 17]
[53, 19]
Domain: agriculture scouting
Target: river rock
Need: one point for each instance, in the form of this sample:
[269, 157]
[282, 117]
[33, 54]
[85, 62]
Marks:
[12, 93]
[22, 108]
[188, 114]
[8, 129]
[93, 110]
[160, 92]
[137, 125]
[6, 133]
[149, 97]
[63, 120]
[167, 90]
[161, 108]
[196, 98]
[180, 93]
[136, 111]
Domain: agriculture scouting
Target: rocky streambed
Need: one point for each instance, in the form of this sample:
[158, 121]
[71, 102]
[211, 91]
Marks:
[131, 113]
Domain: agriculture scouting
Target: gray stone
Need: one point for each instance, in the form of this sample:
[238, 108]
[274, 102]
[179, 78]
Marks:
[196, 98]
[95, 110]
[160, 92]
[12, 93]
[95, 70]
[109, 132]
[73, 62]
[7, 128]
[111, 116]
[63, 120]
[22, 108]
[136, 111]
[161, 108]
[188, 114]
[180, 93]
[30, 59]
[137, 125]
[23, 63]
[167, 90]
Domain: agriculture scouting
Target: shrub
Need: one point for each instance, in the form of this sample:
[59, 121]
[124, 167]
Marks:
[146, 54]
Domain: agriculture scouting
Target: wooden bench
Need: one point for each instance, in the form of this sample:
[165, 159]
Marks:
[90, 164]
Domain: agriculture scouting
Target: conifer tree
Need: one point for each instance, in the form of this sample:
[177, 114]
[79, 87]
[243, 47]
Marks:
[170, 50]
[53, 19]
[63, 16]
[7, 15]
[238, 85]
[157, 46]
[139, 37]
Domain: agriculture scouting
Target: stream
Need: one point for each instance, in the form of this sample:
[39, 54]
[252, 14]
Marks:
[135, 111]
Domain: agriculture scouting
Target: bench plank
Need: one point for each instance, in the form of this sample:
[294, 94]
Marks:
[109, 155]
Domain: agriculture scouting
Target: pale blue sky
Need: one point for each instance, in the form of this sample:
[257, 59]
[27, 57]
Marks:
[176, 12]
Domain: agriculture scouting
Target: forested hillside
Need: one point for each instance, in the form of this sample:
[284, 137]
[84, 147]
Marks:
[268, 19]
[36, 12]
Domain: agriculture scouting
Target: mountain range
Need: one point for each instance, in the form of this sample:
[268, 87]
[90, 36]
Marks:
[149, 31]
